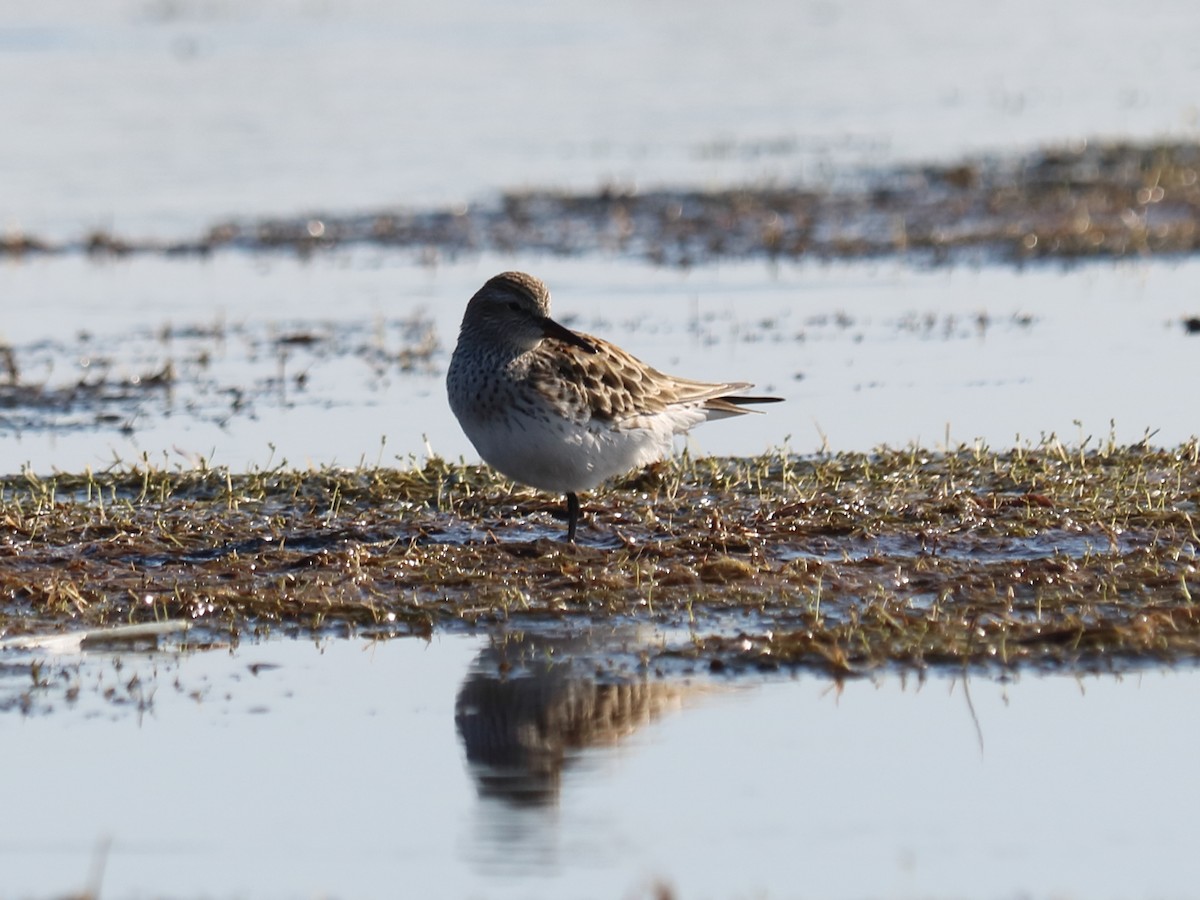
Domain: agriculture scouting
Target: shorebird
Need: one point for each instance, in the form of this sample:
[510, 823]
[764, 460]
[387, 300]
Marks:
[562, 411]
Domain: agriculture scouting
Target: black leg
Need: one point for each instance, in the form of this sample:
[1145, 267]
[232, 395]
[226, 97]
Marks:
[572, 515]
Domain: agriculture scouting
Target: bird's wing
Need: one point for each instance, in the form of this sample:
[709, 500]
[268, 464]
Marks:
[609, 384]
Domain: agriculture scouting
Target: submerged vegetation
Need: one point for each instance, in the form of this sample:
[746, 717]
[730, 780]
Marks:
[1043, 556]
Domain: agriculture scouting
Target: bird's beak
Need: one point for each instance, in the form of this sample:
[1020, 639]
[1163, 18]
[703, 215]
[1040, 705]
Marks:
[552, 329]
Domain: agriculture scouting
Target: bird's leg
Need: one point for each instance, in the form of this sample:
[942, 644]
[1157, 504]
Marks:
[572, 515]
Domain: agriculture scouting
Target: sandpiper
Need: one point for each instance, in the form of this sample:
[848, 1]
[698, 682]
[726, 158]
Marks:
[562, 411]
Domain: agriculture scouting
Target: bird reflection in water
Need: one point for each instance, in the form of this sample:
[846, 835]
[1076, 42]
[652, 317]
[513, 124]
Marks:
[531, 703]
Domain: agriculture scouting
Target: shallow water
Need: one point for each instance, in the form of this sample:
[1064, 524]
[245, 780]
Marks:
[864, 355]
[158, 119]
[285, 769]
[155, 118]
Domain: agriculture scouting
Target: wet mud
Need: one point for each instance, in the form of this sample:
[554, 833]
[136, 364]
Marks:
[1041, 557]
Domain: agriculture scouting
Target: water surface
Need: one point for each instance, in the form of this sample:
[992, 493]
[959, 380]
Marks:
[864, 355]
[157, 118]
[284, 769]
[287, 768]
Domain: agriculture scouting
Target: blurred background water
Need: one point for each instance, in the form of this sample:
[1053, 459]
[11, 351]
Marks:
[265, 347]
[155, 117]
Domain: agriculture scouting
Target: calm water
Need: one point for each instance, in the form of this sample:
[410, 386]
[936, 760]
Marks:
[158, 118]
[154, 117]
[289, 769]
[864, 355]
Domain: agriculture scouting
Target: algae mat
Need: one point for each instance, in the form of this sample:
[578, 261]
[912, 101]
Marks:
[1043, 556]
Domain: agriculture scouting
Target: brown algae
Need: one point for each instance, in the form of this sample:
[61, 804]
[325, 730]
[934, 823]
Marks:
[1042, 556]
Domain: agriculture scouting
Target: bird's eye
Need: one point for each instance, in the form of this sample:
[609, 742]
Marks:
[514, 305]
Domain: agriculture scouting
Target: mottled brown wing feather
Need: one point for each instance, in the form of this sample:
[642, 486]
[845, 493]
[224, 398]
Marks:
[610, 384]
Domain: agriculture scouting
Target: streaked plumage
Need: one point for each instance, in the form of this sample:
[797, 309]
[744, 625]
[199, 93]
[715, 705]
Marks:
[562, 411]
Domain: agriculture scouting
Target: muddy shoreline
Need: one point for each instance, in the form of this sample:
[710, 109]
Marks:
[1044, 557]
[1095, 200]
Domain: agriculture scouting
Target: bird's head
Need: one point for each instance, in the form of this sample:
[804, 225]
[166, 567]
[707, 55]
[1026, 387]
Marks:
[513, 309]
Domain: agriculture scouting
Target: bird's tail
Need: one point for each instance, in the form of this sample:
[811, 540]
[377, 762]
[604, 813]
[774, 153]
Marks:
[732, 405]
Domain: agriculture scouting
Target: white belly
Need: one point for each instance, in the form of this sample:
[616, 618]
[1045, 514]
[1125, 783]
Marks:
[557, 455]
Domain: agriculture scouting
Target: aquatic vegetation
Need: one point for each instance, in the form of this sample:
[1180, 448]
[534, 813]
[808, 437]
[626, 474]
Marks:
[1093, 199]
[1043, 556]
